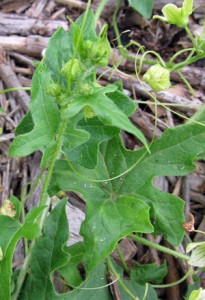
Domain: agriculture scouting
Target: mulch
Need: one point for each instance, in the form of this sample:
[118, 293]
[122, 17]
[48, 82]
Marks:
[25, 28]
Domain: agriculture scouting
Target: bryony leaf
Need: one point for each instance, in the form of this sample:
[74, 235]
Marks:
[149, 273]
[61, 46]
[95, 287]
[106, 110]
[86, 153]
[70, 271]
[45, 116]
[137, 289]
[114, 206]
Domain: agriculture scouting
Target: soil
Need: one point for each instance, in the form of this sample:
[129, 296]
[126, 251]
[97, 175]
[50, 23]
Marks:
[25, 27]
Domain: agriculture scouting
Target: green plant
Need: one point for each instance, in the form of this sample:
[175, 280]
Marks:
[76, 124]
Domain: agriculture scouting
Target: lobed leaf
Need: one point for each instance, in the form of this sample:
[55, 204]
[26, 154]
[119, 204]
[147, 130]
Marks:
[45, 116]
[104, 108]
[130, 202]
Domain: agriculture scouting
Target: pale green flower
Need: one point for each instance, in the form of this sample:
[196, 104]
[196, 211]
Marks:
[178, 16]
[158, 78]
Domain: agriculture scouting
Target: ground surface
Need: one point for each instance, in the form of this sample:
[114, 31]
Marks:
[25, 27]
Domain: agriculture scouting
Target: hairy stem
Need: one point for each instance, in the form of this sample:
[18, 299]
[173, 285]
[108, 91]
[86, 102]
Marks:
[52, 162]
[125, 266]
[99, 10]
[22, 88]
[45, 200]
[187, 62]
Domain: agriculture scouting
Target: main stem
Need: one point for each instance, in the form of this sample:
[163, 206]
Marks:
[52, 162]
[45, 200]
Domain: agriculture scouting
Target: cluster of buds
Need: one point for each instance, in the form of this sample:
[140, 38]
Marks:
[8, 209]
[71, 69]
[97, 51]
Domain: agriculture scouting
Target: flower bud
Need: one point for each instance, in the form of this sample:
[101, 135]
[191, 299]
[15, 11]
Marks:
[71, 69]
[158, 78]
[88, 112]
[8, 209]
[54, 89]
[98, 51]
[178, 16]
[85, 89]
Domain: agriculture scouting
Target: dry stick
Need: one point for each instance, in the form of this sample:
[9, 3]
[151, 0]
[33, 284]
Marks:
[154, 252]
[11, 80]
[24, 26]
[31, 45]
[36, 8]
[199, 4]
[73, 3]
[172, 292]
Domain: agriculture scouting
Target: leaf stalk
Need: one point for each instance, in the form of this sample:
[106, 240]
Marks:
[158, 247]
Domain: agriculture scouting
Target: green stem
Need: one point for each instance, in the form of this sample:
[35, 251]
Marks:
[191, 37]
[45, 200]
[99, 10]
[187, 62]
[23, 215]
[153, 53]
[185, 81]
[158, 247]
[170, 62]
[114, 22]
[20, 88]
[24, 269]
[52, 162]
[125, 266]
[164, 286]
[115, 273]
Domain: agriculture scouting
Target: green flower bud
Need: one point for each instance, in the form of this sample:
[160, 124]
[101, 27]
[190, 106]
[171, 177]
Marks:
[54, 89]
[85, 89]
[98, 51]
[178, 16]
[88, 112]
[71, 69]
[1, 254]
[158, 78]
